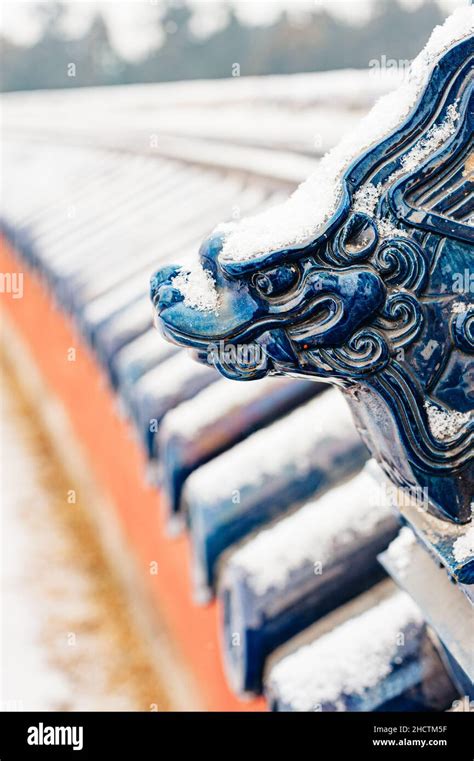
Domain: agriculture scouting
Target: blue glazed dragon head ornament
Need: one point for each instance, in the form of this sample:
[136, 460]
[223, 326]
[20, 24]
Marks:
[363, 279]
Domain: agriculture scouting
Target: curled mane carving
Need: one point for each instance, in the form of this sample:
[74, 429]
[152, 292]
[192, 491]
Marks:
[371, 299]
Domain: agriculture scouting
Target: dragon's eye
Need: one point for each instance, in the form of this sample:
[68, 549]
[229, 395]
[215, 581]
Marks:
[276, 281]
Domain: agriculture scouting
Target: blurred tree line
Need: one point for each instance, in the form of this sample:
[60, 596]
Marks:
[318, 41]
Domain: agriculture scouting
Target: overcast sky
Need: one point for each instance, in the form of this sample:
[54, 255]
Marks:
[131, 22]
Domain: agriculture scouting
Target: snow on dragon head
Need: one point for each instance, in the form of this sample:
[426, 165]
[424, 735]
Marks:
[365, 301]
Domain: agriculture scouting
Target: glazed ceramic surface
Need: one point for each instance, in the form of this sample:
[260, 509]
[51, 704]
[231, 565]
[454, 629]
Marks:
[388, 318]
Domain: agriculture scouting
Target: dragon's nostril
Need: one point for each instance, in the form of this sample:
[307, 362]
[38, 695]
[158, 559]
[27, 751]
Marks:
[167, 296]
[162, 277]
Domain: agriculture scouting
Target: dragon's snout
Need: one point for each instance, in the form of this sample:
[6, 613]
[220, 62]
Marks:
[162, 293]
